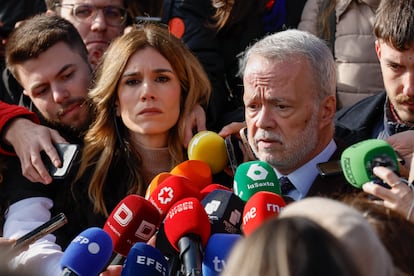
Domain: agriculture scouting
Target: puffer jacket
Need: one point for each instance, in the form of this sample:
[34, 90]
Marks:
[357, 66]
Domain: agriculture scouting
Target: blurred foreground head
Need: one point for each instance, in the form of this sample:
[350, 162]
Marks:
[351, 228]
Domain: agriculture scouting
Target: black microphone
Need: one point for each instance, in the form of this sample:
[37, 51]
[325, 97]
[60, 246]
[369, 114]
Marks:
[224, 210]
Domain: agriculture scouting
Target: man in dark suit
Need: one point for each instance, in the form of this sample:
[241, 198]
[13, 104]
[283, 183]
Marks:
[290, 103]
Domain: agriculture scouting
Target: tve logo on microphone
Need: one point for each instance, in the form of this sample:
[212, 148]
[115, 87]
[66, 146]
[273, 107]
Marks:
[216, 253]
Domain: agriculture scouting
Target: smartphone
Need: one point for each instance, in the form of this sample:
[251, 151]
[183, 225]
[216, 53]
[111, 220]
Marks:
[234, 152]
[46, 228]
[329, 168]
[67, 154]
[247, 149]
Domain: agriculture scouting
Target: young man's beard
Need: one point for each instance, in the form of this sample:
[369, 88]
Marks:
[68, 132]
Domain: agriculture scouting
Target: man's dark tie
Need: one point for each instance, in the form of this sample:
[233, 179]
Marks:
[285, 185]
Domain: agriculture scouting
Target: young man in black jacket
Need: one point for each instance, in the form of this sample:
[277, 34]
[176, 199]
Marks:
[385, 114]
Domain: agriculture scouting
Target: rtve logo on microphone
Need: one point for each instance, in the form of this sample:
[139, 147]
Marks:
[124, 216]
[165, 195]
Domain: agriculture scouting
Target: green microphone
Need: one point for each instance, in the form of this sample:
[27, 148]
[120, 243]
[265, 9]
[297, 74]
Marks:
[358, 160]
[255, 176]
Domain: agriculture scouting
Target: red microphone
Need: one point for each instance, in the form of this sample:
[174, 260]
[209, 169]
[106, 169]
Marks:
[187, 228]
[170, 191]
[260, 207]
[157, 180]
[133, 220]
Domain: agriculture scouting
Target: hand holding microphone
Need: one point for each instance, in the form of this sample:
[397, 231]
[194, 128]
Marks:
[358, 161]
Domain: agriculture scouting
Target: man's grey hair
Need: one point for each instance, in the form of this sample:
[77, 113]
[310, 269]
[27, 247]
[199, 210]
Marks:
[292, 43]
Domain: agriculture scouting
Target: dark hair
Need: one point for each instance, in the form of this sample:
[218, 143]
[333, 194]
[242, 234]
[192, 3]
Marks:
[36, 35]
[395, 232]
[394, 23]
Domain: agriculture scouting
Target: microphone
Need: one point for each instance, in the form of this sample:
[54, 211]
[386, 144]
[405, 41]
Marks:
[260, 207]
[187, 228]
[162, 244]
[144, 259]
[217, 250]
[254, 176]
[157, 180]
[209, 147]
[358, 160]
[224, 210]
[209, 188]
[133, 220]
[197, 171]
[170, 191]
[87, 254]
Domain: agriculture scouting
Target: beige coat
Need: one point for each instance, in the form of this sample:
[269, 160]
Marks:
[357, 66]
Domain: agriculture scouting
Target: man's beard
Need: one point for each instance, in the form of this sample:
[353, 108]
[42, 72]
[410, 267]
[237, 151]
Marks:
[70, 133]
[295, 151]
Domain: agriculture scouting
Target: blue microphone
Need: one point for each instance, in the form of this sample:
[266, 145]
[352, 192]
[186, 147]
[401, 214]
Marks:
[144, 259]
[87, 254]
[217, 250]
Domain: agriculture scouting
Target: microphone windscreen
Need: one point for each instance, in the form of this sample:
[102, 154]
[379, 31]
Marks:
[209, 188]
[88, 253]
[254, 176]
[260, 207]
[224, 210]
[170, 191]
[157, 180]
[358, 160]
[187, 217]
[209, 147]
[196, 170]
[216, 253]
[133, 220]
[144, 259]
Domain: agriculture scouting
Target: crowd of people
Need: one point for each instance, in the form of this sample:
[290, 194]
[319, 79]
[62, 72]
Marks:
[297, 82]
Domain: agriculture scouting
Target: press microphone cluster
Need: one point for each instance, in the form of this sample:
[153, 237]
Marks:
[195, 222]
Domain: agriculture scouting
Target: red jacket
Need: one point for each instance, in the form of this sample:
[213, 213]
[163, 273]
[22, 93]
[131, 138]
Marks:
[9, 112]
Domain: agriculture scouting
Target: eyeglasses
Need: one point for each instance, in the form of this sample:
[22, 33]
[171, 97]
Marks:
[114, 16]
